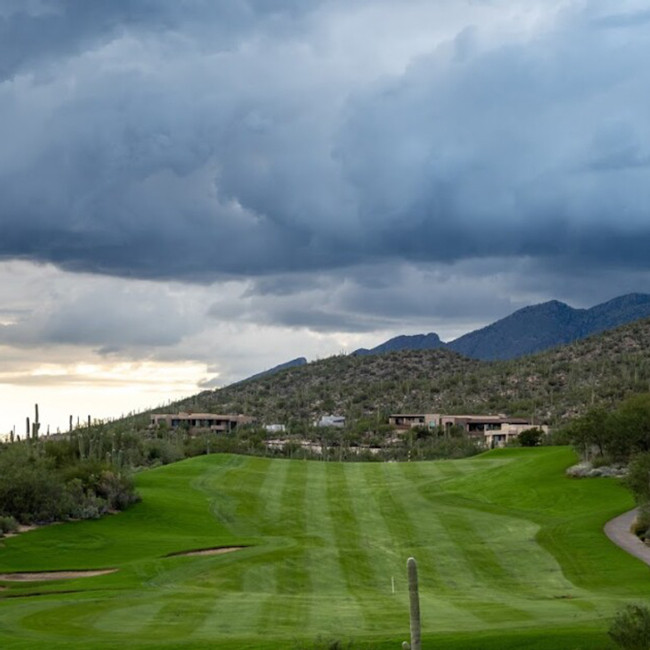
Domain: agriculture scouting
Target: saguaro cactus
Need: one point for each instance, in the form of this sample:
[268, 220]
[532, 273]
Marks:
[36, 424]
[414, 606]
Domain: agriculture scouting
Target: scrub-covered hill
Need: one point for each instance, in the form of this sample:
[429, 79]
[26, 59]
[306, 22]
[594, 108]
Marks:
[550, 386]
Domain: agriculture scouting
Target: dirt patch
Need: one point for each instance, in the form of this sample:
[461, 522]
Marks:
[218, 550]
[34, 576]
[20, 529]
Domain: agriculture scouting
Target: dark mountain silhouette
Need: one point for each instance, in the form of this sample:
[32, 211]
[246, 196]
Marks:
[416, 342]
[544, 326]
[529, 330]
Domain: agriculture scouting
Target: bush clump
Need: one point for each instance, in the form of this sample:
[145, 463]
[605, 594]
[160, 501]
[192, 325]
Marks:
[38, 487]
[7, 525]
[630, 628]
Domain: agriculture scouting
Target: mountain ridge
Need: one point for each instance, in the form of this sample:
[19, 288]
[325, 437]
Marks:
[529, 330]
[551, 386]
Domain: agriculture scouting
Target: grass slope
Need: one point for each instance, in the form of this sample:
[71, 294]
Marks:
[511, 554]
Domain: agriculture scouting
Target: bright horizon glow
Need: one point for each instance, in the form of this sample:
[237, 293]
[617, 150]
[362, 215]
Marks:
[103, 392]
[108, 391]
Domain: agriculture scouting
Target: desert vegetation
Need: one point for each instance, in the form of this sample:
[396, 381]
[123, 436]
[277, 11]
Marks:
[552, 387]
[45, 481]
[613, 435]
[619, 437]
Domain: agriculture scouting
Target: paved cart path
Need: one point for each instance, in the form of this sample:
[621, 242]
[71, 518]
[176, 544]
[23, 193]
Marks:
[619, 531]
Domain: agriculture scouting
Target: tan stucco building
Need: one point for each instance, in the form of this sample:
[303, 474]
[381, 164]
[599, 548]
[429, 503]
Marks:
[212, 421]
[492, 430]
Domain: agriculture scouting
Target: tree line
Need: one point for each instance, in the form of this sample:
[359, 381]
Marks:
[620, 436]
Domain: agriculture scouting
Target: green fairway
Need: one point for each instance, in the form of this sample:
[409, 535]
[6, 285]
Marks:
[511, 554]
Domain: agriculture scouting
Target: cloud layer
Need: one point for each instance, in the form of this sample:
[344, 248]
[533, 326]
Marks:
[198, 140]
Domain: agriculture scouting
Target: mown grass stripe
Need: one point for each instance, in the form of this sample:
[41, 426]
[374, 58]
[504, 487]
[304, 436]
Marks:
[207, 580]
[384, 484]
[454, 568]
[382, 546]
[252, 577]
[424, 537]
[323, 553]
[333, 610]
[364, 577]
[287, 607]
[270, 496]
[382, 549]
[483, 561]
[489, 572]
[441, 567]
[448, 469]
[256, 574]
[246, 485]
[355, 562]
[444, 567]
[179, 617]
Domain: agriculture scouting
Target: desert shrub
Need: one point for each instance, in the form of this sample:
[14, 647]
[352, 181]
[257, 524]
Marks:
[556, 437]
[600, 461]
[638, 477]
[422, 432]
[61, 453]
[87, 472]
[164, 450]
[32, 494]
[83, 504]
[631, 423]
[7, 525]
[530, 437]
[117, 490]
[630, 628]
[641, 525]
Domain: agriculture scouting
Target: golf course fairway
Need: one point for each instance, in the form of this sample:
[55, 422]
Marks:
[510, 553]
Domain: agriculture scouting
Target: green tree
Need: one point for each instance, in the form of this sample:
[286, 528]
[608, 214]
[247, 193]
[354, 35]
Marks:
[592, 431]
[630, 427]
[638, 477]
[530, 437]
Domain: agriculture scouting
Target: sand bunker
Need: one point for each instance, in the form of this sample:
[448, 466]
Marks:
[219, 550]
[52, 575]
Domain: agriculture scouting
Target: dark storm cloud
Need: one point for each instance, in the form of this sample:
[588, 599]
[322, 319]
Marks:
[379, 297]
[538, 150]
[32, 32]
[198, 139]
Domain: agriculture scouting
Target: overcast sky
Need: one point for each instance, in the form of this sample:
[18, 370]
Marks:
[192, 191]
